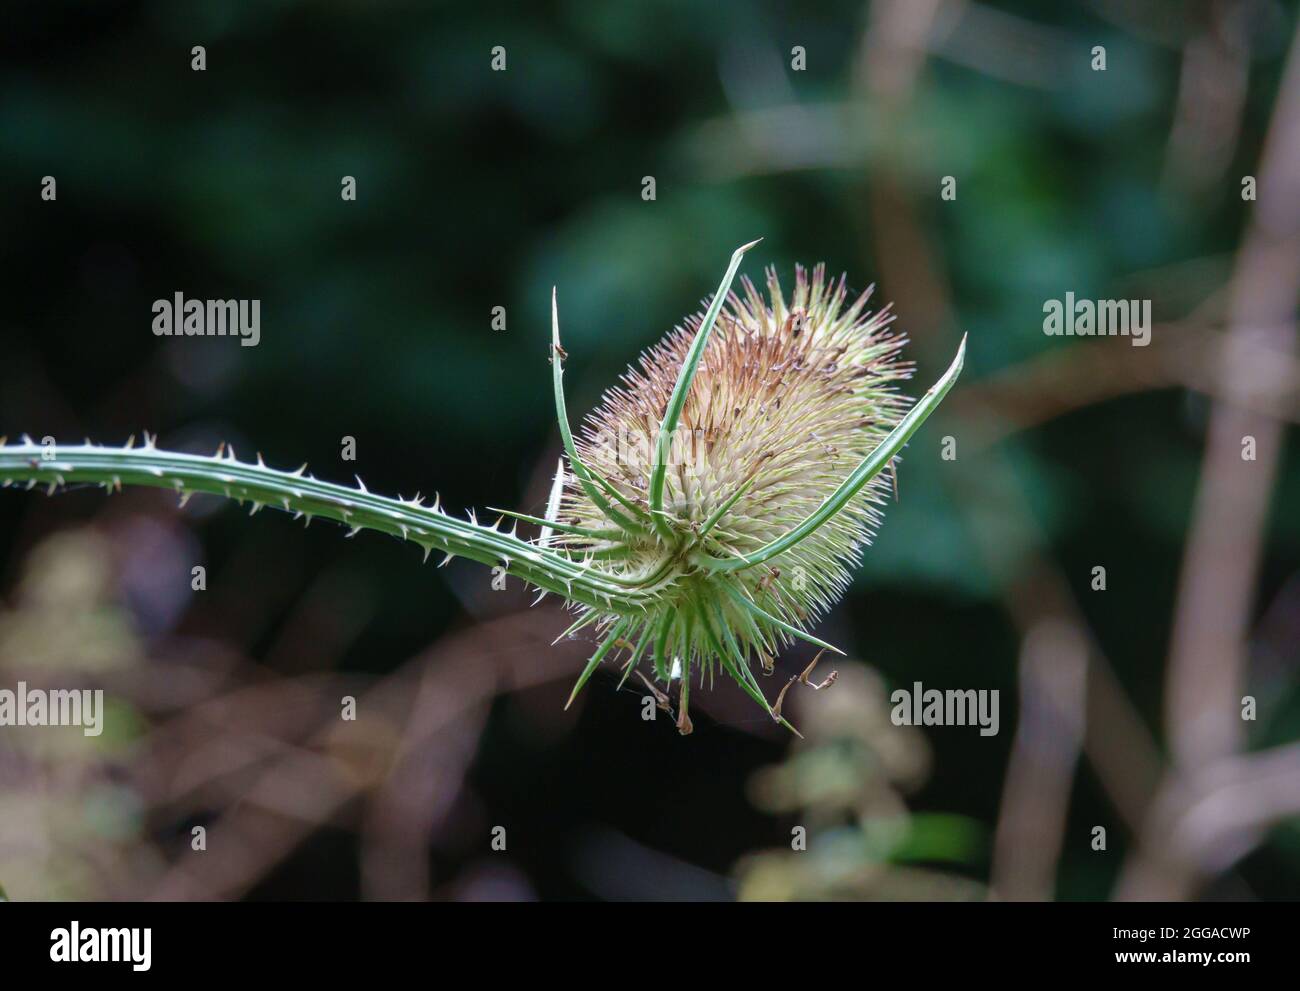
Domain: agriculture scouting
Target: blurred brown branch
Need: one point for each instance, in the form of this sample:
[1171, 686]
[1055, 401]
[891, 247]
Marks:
[1207, 671]
[1037, 596]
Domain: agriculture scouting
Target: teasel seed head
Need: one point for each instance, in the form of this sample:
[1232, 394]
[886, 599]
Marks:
[739, 472]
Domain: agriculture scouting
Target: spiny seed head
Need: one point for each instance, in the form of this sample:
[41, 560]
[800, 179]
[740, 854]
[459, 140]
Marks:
[788, 398]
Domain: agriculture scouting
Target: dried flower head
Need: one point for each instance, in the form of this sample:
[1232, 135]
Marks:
[725, 474]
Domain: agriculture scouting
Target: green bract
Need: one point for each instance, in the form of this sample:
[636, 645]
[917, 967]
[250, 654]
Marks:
[713, 506]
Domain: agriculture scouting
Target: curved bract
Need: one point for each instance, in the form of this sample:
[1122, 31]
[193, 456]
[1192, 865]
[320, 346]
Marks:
[713, 507]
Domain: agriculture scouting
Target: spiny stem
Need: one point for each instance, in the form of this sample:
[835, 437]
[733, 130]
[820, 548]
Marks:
[301, 494]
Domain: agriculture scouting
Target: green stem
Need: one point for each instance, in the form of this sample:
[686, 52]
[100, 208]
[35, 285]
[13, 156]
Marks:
[296, 492]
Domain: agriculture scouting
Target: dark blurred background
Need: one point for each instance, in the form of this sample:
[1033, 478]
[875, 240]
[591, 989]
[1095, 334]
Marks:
[476, 189]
